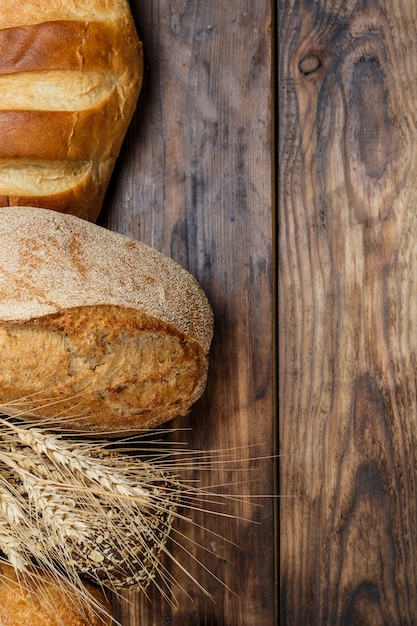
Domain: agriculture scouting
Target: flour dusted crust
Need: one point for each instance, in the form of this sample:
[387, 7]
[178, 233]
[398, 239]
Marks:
[70, 75]
[41, 601]
[98, 331]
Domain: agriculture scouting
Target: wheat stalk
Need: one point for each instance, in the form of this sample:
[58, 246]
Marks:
[82, 507]
[78, 509]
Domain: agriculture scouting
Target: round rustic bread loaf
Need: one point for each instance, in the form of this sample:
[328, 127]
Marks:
[98, 332]
[70, 76]
[38, 600]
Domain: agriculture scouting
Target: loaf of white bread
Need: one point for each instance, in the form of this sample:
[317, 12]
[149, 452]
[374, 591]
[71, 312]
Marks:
[98, 332]
[70, 76]
[37, 599]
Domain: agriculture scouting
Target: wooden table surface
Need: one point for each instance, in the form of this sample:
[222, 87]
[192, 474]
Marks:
[348, 312]
[194, 181]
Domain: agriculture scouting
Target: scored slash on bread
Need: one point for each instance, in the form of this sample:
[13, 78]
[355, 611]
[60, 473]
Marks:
[98, 332]
[70, 77]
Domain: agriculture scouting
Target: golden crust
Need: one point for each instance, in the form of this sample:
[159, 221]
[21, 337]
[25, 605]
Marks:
[72, 45]
[82, 194]
[38, 11]
[117, 331]
[94, 46]
[40, 601]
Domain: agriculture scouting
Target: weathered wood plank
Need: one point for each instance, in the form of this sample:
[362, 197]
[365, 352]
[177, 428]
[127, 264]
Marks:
[348, 312]
[194, 181]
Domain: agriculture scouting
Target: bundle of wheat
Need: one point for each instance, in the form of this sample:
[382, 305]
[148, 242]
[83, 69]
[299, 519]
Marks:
[78, 506]
[79, 510]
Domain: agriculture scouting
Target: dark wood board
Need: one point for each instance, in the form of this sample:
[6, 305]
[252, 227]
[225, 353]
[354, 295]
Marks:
[194, 180]
[348, 293]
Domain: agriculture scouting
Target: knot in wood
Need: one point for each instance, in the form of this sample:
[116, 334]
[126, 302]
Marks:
[309, 64]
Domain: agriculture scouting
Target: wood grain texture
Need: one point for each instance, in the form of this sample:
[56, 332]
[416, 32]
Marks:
[194, 181]
[348, 294]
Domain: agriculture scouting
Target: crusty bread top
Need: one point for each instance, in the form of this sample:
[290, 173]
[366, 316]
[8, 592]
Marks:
[50, 262]
[70, 76]
[70, 87]
[14, 13]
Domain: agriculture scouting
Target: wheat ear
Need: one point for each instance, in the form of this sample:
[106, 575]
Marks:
[80, 507]
[86, 511]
